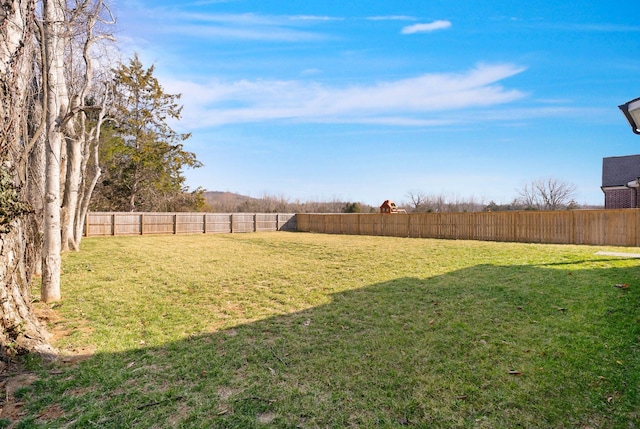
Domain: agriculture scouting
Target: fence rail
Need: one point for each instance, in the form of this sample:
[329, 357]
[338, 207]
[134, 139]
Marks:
[110, 224]
[593, 227]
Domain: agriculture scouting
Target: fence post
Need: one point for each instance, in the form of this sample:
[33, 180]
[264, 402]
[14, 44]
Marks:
[204, 223]
[231, 220]
[142, 224]
[175, 224]
[113, 224]
[255, 222]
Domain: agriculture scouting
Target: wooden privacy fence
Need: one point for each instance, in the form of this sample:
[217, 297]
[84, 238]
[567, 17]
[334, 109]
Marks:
[594, 227]
[105, 224]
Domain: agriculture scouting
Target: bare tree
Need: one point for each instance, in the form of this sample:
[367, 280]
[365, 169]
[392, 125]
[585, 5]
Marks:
[88, 101]
[422, 202]
[546, 194]
[37, 117]
[419, 201]
[56, 118]
[470, 204]
[72, 129]
[20, 330]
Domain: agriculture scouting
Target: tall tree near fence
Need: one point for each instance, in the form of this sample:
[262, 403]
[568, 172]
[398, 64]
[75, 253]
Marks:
[142, 156]
[20, 330]
[56, 117]
[43, 113]
[89, 97]
[69, 98]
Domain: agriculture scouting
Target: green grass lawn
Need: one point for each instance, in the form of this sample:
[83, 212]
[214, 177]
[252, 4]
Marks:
[294, 330]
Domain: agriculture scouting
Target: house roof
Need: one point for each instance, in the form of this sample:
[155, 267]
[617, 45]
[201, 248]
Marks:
[620, 170]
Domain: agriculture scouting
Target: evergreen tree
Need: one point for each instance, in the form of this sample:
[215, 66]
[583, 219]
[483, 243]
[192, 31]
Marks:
[142, 156]
[352, 208]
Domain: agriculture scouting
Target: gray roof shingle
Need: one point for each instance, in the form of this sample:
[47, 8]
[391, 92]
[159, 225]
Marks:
[620, 170]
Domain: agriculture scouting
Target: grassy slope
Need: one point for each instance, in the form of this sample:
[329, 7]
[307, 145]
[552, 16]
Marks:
[301, 330]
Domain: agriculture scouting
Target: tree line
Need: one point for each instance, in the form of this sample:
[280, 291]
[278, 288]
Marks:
[226, 202]
[539, 194]
[75, 133]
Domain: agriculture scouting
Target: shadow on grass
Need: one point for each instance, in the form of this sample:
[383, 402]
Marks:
[488, 346]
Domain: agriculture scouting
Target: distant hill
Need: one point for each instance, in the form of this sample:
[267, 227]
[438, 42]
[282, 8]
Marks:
[225, 197]
[229, 202]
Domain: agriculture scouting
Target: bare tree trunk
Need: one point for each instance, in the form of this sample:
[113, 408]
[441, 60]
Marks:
[35, 194]
[134, 191]
[82, 138]
[32, 168]
[56, 111]
[20, 330]
[90, 172]
[71, 190]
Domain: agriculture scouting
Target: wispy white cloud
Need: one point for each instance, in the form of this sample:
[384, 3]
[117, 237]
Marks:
[425, 28]
[251, 18]
[273, 34]
[223, 18]
[244, 26]
[419, 100]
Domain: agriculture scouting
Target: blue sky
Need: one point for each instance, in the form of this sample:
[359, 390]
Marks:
[369, 100]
